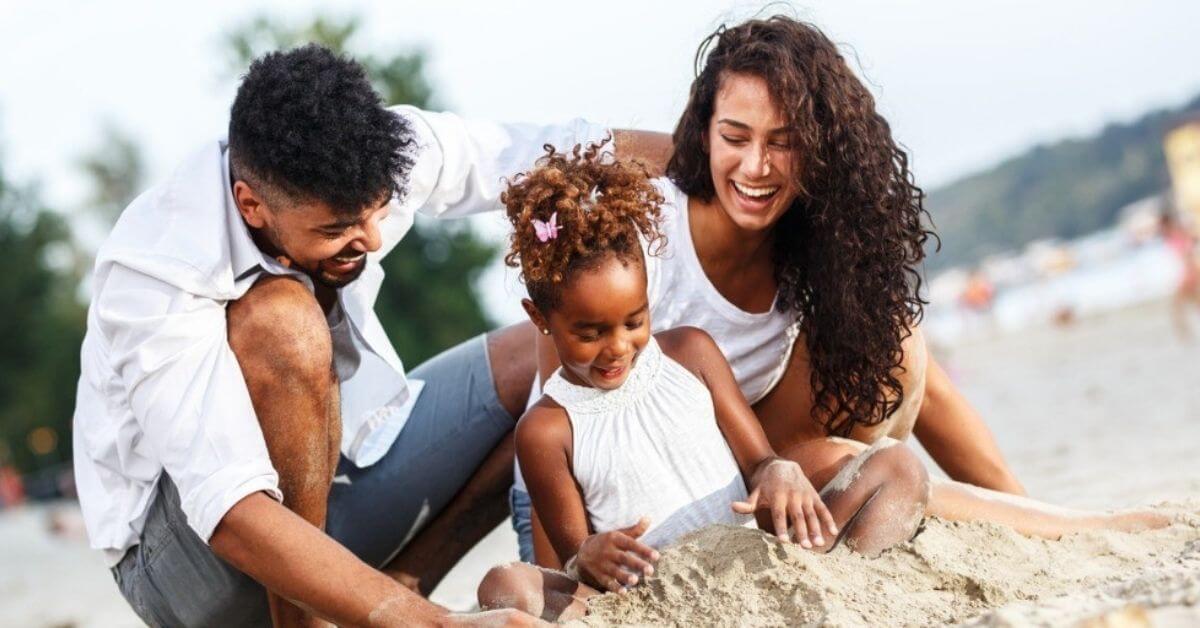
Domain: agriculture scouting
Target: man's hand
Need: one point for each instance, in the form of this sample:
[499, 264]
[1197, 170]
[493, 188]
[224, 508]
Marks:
[779, 486]
[612, 561]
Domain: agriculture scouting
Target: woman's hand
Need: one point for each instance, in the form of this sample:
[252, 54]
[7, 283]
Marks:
[779, 485]
[612, 561]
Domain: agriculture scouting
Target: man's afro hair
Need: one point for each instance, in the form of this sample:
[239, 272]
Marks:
[307, 123]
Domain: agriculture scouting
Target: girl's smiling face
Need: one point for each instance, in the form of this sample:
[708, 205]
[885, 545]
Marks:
[601, 322]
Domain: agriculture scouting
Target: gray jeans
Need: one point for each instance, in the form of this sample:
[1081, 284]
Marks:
[173, 578]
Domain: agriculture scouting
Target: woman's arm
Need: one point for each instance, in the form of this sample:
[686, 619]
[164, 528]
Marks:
[957, 438]
[775, 484]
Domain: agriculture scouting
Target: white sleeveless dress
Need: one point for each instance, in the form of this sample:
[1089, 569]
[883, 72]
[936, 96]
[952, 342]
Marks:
[651, 448]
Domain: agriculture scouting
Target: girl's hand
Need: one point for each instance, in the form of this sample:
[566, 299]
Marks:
[612, 561]
[780, 486]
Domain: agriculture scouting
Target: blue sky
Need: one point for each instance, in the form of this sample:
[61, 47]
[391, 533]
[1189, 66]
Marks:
[964, 84]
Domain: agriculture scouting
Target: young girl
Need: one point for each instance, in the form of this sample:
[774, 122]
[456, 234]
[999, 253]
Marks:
[640, 438]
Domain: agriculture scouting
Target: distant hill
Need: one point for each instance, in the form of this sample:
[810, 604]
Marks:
[1065, 189]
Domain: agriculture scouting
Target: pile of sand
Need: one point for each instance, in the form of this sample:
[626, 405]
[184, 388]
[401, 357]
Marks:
[951, 573]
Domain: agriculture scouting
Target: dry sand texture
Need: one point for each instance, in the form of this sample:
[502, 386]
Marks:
[951, 573]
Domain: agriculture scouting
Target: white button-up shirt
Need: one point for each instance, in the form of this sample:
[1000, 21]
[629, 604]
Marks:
[160, 388]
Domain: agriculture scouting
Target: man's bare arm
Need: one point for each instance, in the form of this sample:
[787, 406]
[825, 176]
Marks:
[649, 147]
[291, 557]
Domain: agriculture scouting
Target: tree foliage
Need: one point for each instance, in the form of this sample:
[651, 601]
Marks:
[42, 327]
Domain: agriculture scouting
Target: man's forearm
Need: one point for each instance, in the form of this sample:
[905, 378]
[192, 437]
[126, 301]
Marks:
[294, 559]
[649, 147]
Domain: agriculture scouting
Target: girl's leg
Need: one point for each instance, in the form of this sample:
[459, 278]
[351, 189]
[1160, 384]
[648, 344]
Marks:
[540, 592]
[877, 495]
[957, 501]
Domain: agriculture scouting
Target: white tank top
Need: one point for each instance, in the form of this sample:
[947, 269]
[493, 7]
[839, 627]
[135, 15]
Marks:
[651, 448]
[757, 345]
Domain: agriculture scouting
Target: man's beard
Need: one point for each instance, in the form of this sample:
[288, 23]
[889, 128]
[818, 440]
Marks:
[269, 242]
[336, 281]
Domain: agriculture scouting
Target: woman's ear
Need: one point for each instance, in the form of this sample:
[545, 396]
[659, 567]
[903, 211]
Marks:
[535, 315]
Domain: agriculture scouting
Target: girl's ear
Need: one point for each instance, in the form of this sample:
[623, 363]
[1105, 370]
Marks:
[535, 315]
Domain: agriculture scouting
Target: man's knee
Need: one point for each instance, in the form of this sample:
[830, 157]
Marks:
[278, 329]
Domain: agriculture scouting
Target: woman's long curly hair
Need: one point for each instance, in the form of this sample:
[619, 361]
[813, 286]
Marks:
[847, 251]
[603, 207]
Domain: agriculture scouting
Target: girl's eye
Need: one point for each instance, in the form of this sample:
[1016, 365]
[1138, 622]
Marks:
[735, 141]
[588, 337]
[331, 235]
[631, 325]
[781, 145]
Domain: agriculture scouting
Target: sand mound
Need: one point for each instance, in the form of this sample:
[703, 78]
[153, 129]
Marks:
[951, 573]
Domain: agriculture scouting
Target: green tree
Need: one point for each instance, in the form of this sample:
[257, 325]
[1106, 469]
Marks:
[116, 170]
[428, 301]
[42, 327]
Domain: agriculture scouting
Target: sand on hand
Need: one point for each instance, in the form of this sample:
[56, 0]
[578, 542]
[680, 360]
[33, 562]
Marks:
[974, 574]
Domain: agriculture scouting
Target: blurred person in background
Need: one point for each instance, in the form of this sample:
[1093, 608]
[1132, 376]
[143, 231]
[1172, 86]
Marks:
[1187, 293]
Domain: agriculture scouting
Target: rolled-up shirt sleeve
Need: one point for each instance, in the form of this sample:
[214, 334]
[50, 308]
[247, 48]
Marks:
[462, 164]
[185, 389]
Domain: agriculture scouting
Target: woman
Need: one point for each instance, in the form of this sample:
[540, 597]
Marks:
[795, 233]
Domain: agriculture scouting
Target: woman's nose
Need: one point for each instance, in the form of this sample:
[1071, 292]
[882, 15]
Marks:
[757, 162]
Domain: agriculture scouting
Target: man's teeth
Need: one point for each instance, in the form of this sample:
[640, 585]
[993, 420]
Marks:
[755, 192]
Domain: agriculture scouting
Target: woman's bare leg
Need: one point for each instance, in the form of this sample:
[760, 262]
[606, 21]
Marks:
[877, 495]
[963, 502]
[540, 592]
[824, 459]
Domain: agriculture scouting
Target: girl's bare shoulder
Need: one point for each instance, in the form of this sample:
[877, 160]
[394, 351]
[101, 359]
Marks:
[690, 346]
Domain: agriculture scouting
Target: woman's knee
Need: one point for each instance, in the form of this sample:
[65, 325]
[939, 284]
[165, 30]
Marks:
[896, 466]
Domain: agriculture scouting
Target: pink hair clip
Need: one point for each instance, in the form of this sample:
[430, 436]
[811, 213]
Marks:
[546, 231]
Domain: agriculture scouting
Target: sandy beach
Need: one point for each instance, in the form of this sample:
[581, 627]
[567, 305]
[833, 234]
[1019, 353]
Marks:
[1104, 413]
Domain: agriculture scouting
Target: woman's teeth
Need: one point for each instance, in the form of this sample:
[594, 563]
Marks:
[755, 192]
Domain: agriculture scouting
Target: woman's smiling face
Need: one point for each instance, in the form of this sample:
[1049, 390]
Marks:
[750, 153]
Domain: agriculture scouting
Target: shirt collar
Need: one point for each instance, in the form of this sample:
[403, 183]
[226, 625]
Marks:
[244, 254]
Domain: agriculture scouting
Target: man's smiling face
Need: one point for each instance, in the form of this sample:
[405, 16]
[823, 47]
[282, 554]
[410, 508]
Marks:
[310, 236]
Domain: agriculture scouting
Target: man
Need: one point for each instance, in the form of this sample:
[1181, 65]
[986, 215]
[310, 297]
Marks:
[233, 362]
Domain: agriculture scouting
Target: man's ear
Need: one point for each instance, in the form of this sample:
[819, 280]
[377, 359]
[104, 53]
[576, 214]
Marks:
[249, 205]
[535, 315]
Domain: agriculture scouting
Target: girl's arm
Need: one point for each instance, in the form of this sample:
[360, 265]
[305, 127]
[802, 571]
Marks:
[774, 483]
[610, 560]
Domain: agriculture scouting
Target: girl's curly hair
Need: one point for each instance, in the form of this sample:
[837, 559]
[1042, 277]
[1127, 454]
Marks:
[602, 204]
[847, 252]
